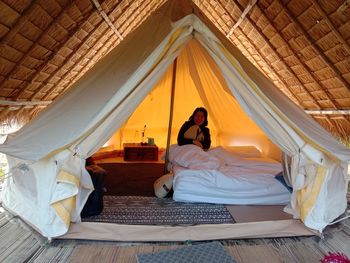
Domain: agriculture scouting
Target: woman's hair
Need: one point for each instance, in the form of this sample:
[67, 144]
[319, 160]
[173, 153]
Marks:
[89, 161]
[205, 113]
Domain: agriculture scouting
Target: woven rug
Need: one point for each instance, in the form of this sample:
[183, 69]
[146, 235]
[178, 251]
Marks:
[140, 210]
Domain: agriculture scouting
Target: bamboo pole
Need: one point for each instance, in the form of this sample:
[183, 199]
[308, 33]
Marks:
[173, 83]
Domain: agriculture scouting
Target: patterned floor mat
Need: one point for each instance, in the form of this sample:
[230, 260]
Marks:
[140, 210]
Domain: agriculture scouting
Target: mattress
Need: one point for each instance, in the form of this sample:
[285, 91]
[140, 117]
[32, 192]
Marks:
[251, 182]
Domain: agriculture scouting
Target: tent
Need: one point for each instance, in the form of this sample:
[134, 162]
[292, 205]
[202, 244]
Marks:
[49, 184]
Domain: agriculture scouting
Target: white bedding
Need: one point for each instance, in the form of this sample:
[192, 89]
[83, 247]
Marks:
[217, 176]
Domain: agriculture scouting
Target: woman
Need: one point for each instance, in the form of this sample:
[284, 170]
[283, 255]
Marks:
[194, 131]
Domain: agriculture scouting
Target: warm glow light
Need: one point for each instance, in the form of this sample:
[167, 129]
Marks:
[245, 143]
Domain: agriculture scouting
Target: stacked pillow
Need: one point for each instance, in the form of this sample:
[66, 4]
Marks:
[244, 151]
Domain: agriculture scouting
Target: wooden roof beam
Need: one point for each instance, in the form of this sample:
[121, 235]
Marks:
[106, 18]
[81, 58]
[85, 67]
[84, 40]
[23, 103]
[280, 79]
[243, 15]
[328, 112]
[266, 42]
[311, 41]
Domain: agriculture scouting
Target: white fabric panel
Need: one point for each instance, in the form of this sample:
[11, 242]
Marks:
[193, 71]
[331, 201]
[35, 208]
[250, 102]
[75, 166]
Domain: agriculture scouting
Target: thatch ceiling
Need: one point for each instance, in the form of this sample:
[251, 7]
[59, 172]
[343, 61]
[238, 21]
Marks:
[303, 46]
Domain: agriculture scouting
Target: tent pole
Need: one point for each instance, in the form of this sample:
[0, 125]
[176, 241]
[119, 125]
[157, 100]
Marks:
[173, 82]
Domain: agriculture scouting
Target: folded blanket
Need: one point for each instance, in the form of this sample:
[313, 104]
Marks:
[193, 157]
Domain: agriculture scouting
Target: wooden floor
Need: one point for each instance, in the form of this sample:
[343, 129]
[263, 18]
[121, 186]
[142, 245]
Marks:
[18, 243]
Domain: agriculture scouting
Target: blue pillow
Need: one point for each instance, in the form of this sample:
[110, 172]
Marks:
[280, 178]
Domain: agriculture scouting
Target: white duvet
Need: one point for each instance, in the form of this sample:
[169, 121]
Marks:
[218, 176]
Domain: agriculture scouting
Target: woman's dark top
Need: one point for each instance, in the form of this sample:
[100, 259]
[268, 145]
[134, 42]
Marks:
[181, 140]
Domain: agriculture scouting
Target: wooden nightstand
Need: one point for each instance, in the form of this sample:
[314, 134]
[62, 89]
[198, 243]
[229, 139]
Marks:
[137, 152]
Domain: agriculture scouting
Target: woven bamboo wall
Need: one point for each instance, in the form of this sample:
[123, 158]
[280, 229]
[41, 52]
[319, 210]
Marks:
[303, 46]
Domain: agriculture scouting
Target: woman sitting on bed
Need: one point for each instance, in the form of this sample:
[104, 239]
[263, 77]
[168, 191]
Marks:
[194, 131]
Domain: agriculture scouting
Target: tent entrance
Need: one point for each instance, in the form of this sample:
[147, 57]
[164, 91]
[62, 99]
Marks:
[199, 82]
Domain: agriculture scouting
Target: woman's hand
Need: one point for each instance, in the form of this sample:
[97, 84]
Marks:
[198, 143]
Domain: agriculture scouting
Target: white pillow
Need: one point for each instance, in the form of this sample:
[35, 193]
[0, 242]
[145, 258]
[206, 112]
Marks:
[163, 185]
[244, 151]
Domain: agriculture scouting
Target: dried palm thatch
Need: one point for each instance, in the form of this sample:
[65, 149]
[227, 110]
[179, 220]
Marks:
[303, 46]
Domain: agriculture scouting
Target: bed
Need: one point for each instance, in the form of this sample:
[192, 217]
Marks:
[222, 177]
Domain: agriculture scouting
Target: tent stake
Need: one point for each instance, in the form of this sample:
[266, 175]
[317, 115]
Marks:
[173, 81]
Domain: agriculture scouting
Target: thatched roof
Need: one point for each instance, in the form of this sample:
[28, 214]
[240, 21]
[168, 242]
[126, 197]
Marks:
[303, 46]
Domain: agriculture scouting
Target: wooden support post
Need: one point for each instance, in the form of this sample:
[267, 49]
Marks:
[173, 83]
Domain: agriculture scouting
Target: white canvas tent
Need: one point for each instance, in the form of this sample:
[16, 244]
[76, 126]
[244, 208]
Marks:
[49, 185]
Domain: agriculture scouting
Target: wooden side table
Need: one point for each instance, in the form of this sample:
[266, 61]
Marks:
[137, 152]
